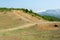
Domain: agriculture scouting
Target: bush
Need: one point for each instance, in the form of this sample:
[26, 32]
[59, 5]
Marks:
[30, 11]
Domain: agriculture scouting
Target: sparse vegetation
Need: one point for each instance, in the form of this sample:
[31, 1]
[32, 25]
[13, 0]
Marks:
[9, 20]
[50, 18]
[31, 34]
[23, 9]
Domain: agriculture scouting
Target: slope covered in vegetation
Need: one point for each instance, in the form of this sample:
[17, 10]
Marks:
[51, 18]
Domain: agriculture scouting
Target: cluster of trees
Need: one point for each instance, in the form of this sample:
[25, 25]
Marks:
[26, 10]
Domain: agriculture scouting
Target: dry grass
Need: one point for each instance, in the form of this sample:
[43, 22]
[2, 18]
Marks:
[31, 34]
[14, 18]
[48, 26]
[10, 20]
[40, 31]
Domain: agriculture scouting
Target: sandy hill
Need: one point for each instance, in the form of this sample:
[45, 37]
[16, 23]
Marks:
[21, 24]
[13, 18]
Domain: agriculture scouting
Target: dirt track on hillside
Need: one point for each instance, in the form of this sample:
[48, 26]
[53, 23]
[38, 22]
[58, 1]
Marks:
[32, 22]
[19, 27]
[43, 24]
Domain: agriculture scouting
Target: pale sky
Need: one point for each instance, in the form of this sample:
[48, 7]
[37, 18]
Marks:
[35, 5]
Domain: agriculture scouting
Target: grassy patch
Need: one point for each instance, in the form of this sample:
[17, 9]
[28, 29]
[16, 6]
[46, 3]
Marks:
[50, 18]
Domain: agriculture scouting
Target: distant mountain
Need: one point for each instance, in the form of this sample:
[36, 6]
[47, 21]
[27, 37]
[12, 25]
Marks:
[54, 13]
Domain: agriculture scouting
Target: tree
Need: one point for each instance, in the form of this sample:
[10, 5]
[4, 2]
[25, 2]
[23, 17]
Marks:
[30, 11]
[26, 10]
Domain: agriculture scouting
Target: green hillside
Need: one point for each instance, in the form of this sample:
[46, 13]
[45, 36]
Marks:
[50, 18]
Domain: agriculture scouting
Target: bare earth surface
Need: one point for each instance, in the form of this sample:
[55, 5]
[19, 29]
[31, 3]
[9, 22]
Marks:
[43, 26]
[29, 28]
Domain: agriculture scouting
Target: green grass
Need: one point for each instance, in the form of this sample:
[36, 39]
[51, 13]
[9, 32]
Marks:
[50, 18]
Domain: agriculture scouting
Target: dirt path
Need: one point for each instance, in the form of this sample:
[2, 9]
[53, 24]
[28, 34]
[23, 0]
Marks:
[20, 27]
[28, 25]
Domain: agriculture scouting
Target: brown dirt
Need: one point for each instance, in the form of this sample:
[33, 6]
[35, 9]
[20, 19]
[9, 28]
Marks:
[48, 26]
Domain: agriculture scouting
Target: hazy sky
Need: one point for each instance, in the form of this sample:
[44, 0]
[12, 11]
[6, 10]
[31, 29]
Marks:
[35, 5]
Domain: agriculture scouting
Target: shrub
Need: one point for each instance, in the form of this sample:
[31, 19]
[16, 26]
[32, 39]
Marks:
[30, 11]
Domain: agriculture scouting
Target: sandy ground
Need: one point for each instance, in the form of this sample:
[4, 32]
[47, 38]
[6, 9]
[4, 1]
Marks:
[41, 26]
[33, 21]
